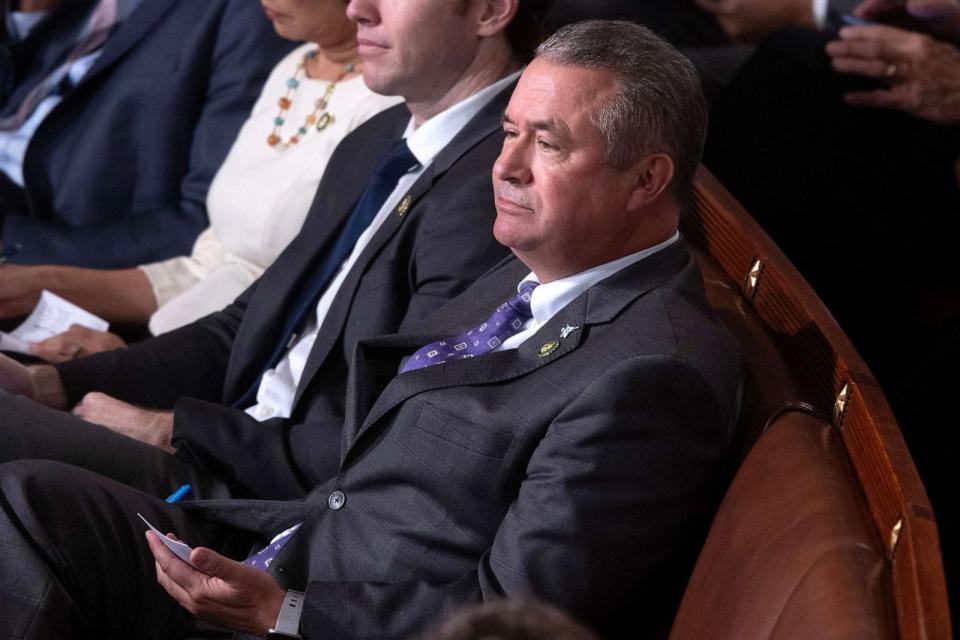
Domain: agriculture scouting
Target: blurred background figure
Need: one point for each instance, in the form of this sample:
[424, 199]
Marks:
[513, 619]
[257, 201]
[681, 22]
[844, 147]
[114, 116]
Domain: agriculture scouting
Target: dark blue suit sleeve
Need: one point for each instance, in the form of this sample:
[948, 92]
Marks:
[244, 54]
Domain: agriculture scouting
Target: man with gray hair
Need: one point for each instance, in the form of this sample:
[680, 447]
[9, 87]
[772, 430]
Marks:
[567, 444]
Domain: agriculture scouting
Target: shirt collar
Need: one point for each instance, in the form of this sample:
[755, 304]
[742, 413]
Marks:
[430, 138]
[20, 24]
[548, 299]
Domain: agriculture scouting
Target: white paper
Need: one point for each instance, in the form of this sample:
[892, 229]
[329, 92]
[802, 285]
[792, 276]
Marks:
[179, 549]
[52, 316]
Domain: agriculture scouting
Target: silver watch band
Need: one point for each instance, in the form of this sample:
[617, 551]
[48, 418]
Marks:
[288, 621]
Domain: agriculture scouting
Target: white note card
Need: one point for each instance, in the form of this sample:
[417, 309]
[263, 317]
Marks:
[52, 316]
[179, 549]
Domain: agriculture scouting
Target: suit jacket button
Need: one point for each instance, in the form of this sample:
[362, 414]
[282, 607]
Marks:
[336, 500]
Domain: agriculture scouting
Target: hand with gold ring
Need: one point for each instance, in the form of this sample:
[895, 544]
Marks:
[922, 74]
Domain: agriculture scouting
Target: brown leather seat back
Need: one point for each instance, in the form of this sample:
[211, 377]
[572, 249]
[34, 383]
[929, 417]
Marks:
[826, 531]
[792, 552]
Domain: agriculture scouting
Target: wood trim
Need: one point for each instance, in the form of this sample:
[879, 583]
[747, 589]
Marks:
[824, 360]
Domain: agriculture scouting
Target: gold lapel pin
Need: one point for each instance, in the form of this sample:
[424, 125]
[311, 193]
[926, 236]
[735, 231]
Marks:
[404, 206]
[548, 348]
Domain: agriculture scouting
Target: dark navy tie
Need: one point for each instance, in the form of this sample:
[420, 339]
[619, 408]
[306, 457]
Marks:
[384, 180]
[506, 321]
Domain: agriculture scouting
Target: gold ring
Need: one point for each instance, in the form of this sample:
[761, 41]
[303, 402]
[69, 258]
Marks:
[891, 70]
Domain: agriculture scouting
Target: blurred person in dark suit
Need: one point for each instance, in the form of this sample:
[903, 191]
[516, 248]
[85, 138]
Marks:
[114, 117]
[256, 204]
[679, 21]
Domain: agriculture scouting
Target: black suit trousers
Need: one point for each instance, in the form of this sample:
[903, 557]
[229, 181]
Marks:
[58, 524]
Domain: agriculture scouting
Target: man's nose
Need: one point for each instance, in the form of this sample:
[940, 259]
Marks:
[512, 165]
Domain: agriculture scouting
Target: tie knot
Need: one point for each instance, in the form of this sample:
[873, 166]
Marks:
[397, 162]
[521, 301]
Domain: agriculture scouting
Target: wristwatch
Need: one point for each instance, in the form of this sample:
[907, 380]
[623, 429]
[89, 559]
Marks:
[288, 621]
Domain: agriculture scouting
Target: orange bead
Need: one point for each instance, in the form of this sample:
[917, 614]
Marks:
[294, 140]
[273, 140]
[311, 119]
[284, 103]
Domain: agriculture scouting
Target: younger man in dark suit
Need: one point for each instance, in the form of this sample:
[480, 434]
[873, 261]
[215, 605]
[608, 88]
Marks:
[569, 446]
[254, 397]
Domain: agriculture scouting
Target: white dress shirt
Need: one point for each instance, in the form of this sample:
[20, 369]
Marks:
[21, 23]
[13, 144]
[279, 385]
[548, 299]
[820, 8]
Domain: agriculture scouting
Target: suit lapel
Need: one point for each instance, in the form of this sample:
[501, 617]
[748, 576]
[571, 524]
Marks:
[131, 31]
[484, 124]
[280, 286]
[557, 338]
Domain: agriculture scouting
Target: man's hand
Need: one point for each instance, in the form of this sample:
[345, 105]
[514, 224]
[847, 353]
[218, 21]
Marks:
[146, 425]
[40, 383]
[15, 378]
[224, 592]
[751, 20]
[923, 74]
[76, 342]
[940, 17]
[19, 290]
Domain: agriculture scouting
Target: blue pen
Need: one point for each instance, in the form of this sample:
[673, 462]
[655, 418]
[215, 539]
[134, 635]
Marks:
[179, 494]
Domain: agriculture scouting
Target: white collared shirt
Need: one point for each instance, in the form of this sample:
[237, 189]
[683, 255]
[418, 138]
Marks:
[279, 385]
[820, 8]
[21, 23]
[13, 144]
[548, 299]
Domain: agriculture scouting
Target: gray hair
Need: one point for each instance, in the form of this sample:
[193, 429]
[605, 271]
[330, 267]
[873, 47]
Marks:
[659, 105]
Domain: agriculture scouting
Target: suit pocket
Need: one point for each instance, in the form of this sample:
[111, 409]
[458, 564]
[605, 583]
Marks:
[483, 441]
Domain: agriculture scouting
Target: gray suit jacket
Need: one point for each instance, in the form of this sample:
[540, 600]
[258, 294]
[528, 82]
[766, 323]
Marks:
[417, 260]
[582, 472]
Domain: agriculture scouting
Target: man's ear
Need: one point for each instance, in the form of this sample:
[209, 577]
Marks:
[495, 16]
[654, 175]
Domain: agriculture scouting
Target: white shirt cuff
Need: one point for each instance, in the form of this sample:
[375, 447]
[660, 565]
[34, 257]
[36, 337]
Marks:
[820, 8]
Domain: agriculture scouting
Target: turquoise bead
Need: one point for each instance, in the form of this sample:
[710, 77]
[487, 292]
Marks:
[292, 83]
[278, 121]
[302, 131]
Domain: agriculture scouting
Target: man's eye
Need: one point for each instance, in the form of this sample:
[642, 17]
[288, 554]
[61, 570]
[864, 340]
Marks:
[546, 146]
[509, 134]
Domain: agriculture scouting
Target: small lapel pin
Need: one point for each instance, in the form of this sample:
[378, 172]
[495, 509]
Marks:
[404, 206]
[548, 348]
[567, 330]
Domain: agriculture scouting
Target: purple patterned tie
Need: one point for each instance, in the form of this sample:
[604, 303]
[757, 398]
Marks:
[505, 322]
[262, 559]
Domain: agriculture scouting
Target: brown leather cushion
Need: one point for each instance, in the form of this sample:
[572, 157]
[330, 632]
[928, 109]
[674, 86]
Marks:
[791, 553]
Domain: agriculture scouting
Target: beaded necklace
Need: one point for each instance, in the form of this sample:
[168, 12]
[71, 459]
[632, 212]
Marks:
[319, 117]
